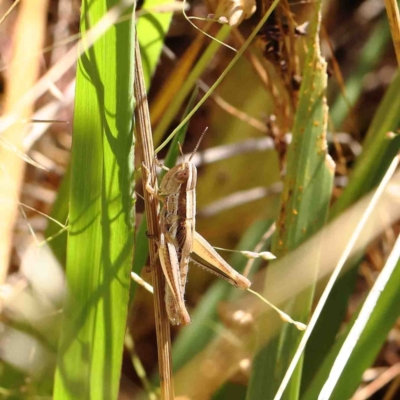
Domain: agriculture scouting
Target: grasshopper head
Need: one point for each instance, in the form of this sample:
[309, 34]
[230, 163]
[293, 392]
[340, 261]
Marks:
[186, 172]
[182, 177]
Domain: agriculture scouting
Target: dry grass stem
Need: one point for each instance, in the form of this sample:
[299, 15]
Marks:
[32, 18]
[255, 62]
[239, 198]
[9, 11]
[392, 10]
[234, 111]
[176, 79]
[145, 145]
[267, 235]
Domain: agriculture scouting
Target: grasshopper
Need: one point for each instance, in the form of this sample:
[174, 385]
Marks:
[179, 242]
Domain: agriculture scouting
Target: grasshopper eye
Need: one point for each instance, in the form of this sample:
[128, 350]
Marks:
[182, 176]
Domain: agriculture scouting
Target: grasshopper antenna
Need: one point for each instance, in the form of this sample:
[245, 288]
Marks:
[198, 144]
[181, 151]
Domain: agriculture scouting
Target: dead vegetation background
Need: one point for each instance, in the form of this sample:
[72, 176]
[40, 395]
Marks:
[253, 111]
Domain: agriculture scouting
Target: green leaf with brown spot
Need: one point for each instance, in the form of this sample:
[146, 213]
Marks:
[304, 207]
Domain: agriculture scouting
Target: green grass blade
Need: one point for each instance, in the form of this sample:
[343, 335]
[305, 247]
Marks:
[307, 186]
[100, 241]
[193, 338]
[370, 55]
[378, 149]
[370, 167]
[381, 320]
[152, 28]
[231, 391]
[326, 329]
[58, 242]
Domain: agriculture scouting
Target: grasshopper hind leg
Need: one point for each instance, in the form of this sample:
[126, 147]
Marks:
[174, 295]
[176, 314]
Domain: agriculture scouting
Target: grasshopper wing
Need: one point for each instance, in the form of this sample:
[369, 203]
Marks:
[174, 295]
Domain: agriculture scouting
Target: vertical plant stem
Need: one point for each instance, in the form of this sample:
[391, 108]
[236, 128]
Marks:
[23, 73]
[146, 151]
[392, 10]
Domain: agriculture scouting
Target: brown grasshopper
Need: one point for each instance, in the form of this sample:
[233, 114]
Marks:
[179, 242]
